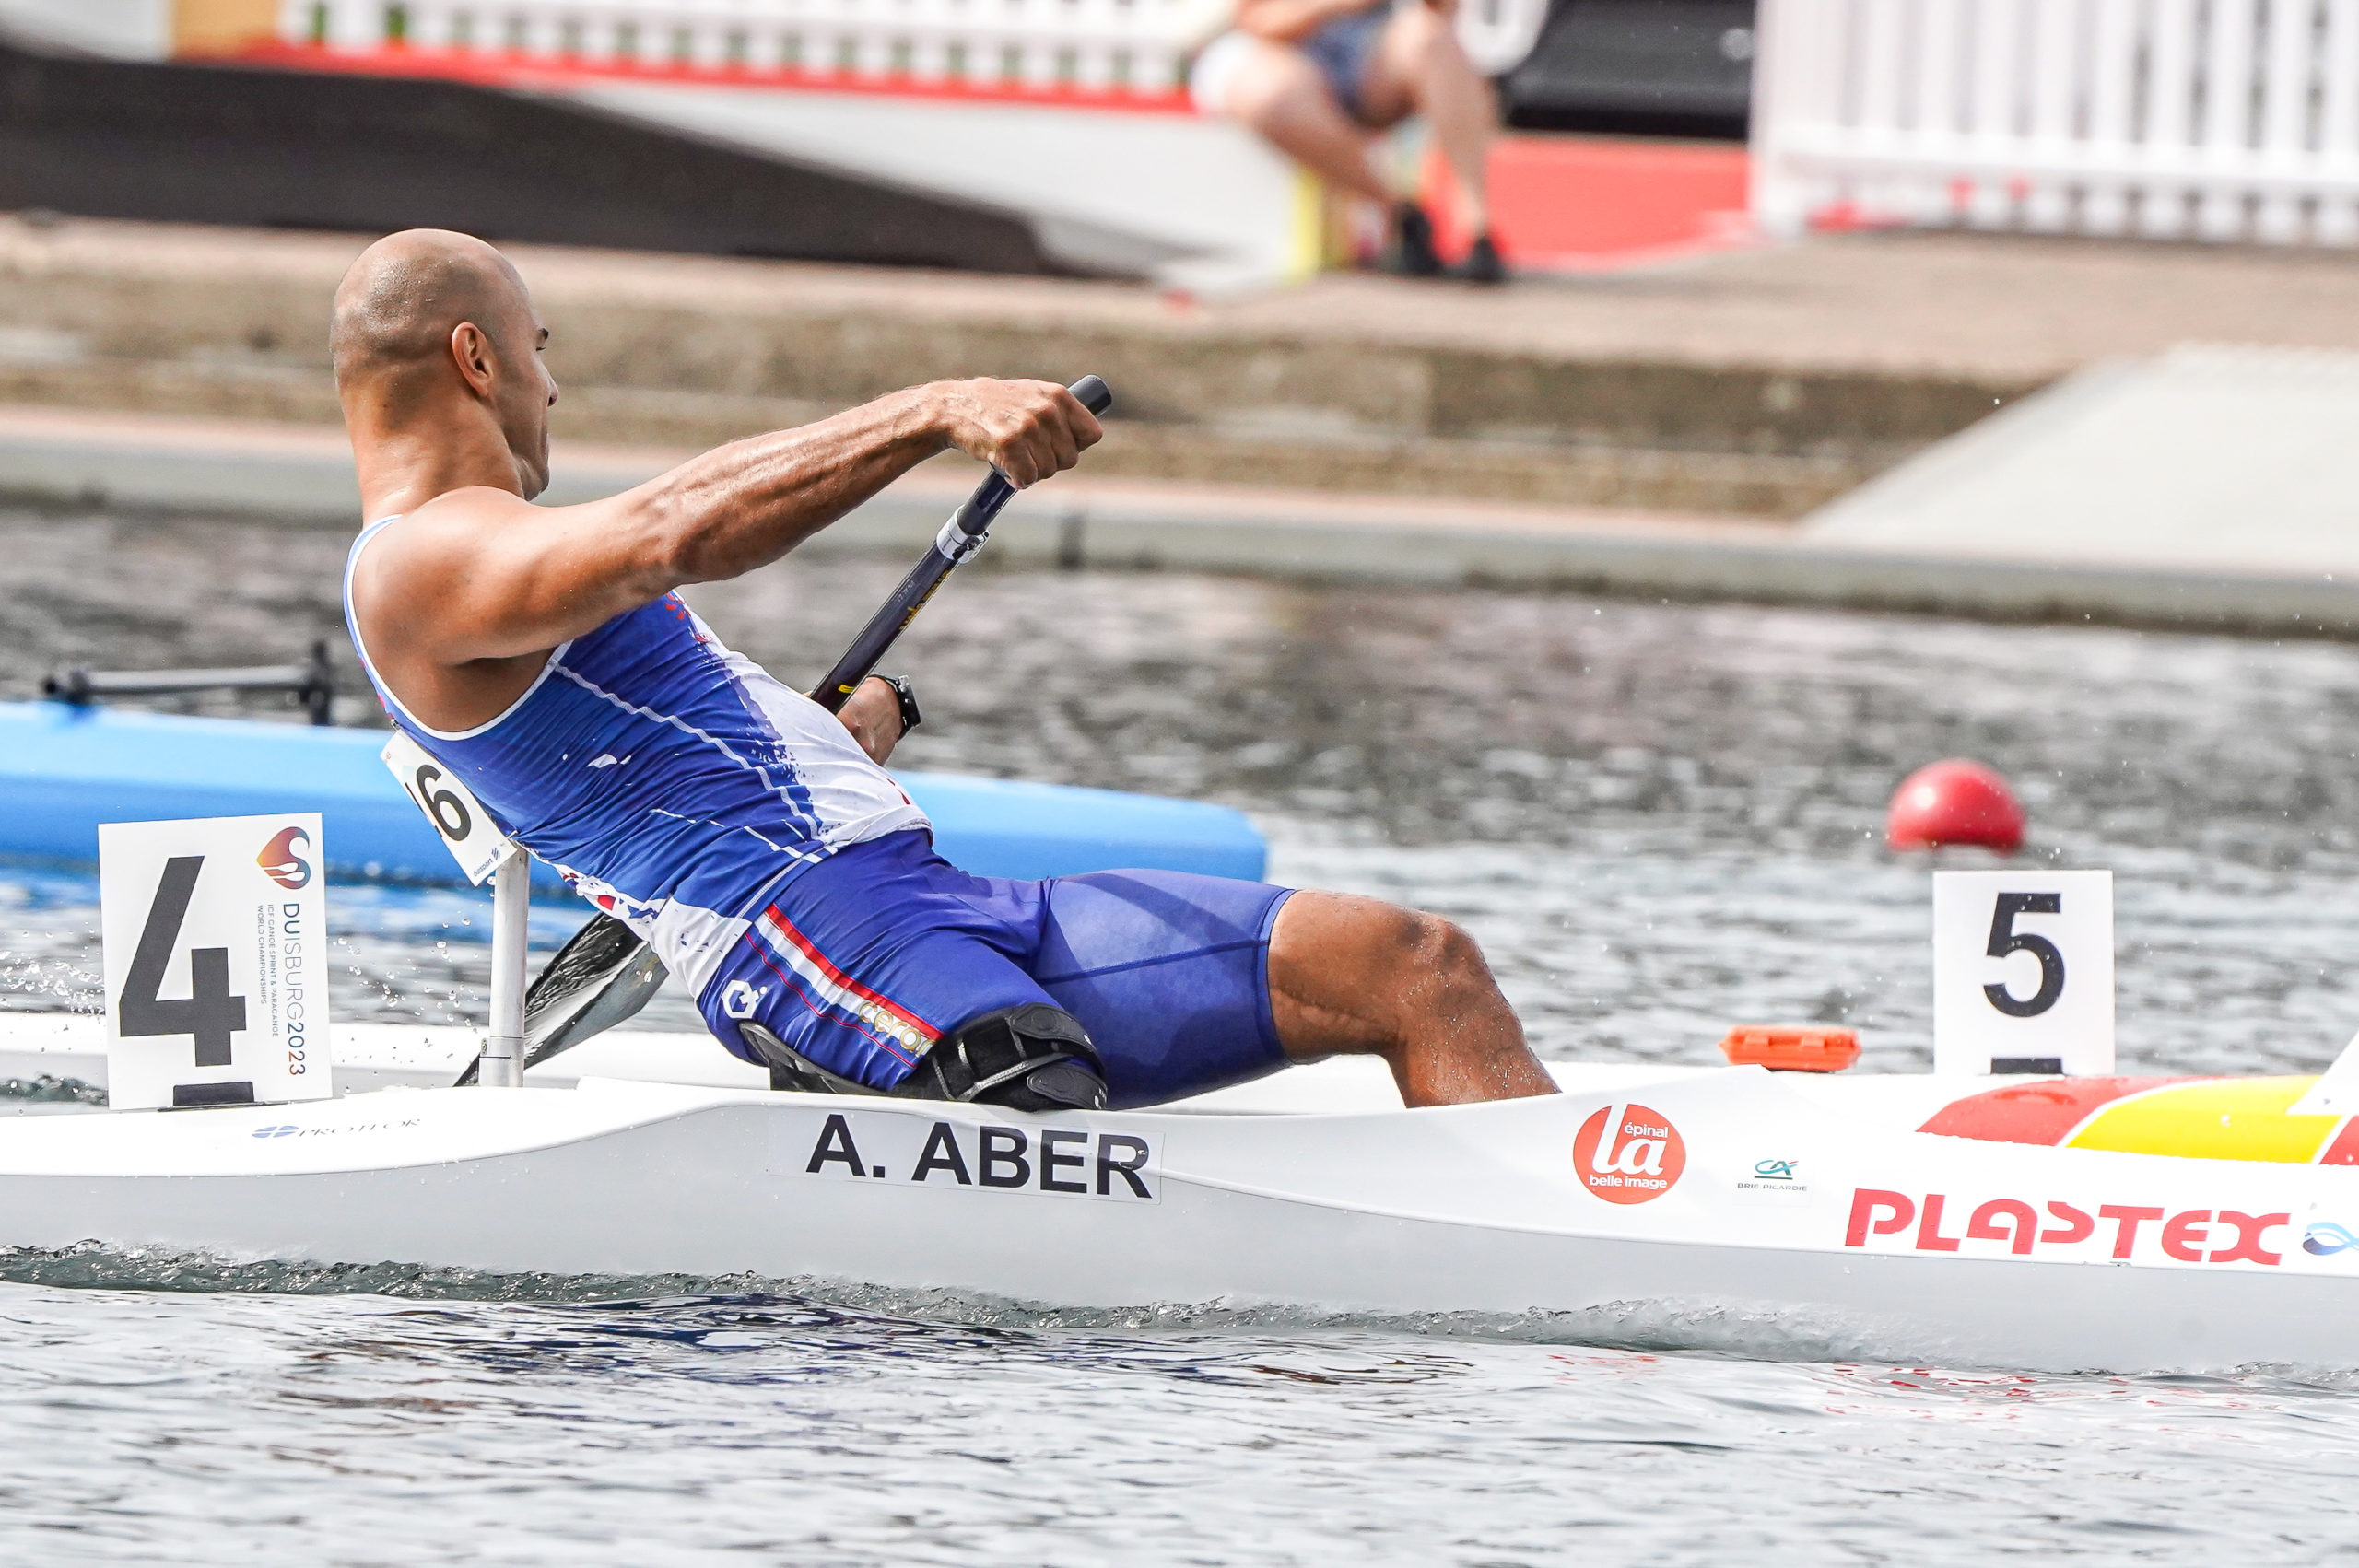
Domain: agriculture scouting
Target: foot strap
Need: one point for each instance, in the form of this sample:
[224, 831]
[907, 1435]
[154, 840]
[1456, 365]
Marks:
[1032, 1057]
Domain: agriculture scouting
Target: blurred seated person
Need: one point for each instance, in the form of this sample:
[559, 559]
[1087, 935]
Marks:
[1318, 78]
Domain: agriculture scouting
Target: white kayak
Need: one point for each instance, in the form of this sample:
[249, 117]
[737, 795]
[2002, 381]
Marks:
[1993, 1222]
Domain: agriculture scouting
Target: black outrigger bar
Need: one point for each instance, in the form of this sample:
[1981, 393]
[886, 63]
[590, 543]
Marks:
[313, 682]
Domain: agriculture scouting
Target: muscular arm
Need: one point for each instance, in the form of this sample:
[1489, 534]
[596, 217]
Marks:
[480, 574]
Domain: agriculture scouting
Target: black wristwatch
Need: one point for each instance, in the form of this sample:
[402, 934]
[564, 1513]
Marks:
[904, 694]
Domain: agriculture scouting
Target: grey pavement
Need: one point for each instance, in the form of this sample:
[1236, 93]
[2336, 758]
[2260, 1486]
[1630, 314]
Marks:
[2235, 460]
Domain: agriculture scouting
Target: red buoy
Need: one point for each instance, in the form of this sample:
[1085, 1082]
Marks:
[1954, 802]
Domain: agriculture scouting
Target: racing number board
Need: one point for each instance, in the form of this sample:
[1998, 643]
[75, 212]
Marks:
[466, 829]
[214, 940]
[2023, 972]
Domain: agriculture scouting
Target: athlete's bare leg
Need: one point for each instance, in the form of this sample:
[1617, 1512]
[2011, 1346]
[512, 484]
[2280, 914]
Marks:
[1358, 975]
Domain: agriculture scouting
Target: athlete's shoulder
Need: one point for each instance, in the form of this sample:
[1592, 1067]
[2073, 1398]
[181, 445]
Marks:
[463, 510]
[450, 523]
[411, 550]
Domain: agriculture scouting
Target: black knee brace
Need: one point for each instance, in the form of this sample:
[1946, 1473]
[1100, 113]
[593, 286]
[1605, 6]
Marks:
[1033, 1057]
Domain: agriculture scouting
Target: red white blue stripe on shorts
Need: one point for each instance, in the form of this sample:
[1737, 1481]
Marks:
[1167, 971]
[835, 997]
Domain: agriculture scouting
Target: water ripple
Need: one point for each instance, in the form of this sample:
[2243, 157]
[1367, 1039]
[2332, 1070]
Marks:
[1658, 819]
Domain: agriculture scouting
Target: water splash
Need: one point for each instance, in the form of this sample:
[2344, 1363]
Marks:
[47, 1089]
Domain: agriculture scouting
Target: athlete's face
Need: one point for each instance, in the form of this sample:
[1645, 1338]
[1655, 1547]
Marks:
[525, 391]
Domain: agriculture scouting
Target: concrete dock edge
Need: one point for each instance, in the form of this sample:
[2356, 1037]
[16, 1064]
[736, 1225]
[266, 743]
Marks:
[302, 476]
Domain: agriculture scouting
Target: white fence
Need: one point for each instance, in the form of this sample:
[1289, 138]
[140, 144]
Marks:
[1109, 46]
[1118, 46]
[2178, 119]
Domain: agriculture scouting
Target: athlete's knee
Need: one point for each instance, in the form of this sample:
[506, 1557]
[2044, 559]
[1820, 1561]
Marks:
[1415, 939]
[1440, 953]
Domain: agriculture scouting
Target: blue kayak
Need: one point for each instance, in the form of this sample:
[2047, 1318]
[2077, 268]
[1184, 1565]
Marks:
[66, 769]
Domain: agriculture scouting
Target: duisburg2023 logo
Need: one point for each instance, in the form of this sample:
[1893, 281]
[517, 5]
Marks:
[279, 861]
[1628, 1154]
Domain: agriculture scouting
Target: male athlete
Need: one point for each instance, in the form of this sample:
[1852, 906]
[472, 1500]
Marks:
[754, 838]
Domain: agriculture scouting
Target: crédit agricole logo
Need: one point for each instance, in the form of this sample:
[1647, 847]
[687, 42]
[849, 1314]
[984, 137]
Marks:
[279, 861]
[1628, 1154]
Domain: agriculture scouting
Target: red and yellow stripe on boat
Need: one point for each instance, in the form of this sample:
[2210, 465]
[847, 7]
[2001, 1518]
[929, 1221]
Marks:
[2200, 1118]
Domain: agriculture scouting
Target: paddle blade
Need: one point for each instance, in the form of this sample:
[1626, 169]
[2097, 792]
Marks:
[597, 979]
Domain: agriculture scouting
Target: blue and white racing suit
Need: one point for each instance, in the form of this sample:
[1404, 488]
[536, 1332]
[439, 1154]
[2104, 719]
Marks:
[784, 877]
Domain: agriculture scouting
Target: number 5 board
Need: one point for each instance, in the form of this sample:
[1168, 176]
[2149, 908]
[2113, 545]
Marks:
[214, 934]
[2023, 972]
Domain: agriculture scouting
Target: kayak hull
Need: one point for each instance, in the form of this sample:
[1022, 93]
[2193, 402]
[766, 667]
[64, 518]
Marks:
[1488, 1209]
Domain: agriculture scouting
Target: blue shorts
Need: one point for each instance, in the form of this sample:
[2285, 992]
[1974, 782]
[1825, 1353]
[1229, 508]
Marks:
[866, 959]
[1343, 48]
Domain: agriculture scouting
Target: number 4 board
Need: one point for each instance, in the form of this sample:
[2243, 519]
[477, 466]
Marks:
[214, 936]
[2023, 972]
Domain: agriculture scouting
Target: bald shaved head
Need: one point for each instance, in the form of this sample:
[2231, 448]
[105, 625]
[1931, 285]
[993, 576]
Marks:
[397, 306]
[404, 356]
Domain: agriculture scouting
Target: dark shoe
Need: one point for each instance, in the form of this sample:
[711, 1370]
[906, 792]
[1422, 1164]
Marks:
[1412, 253]
[1482, 264]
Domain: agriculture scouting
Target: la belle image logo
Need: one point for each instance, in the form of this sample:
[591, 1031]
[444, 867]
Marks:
[1628, 1154]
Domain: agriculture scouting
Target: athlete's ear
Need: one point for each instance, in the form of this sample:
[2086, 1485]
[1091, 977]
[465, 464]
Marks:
[471, 350]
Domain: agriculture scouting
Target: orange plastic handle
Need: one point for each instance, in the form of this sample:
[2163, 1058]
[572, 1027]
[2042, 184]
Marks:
[1791, 1047]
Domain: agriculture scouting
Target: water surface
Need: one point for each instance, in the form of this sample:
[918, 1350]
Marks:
[1658, 819]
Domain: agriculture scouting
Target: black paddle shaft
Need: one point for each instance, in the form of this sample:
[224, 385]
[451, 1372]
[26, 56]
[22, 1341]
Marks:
[959, 538]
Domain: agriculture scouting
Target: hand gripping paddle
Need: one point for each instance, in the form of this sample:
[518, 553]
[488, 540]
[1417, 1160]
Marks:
[606, 974]
[960, 537]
